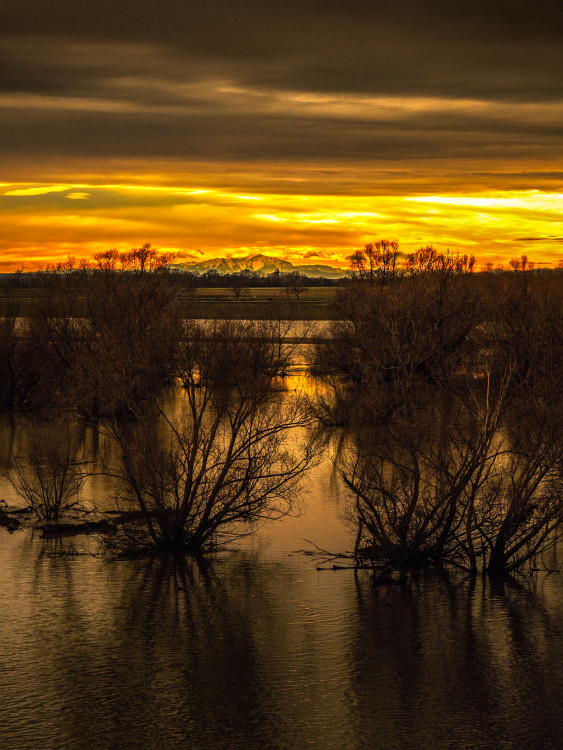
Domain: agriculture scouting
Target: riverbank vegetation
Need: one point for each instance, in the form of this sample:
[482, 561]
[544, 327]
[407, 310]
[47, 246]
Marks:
[443, 387]
[184, 483]
[228, 458]
[448, 389]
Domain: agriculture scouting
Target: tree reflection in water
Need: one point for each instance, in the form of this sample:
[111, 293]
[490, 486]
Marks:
[457, 663]
[256, 652]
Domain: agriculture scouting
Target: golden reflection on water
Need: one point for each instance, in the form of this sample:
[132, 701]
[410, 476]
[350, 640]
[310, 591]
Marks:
[256, 648]
[244, 651]
[318, 510]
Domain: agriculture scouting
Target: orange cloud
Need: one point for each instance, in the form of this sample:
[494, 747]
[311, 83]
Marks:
[40, 223]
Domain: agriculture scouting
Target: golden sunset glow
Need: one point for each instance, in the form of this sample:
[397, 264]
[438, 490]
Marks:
[301, 132]
[47, 223]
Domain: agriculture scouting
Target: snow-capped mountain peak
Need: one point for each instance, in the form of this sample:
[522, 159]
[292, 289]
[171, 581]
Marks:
[259, 263]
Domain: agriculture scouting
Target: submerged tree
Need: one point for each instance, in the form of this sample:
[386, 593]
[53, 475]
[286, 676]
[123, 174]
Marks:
[50, 475]
[459, 484]
[129, 355]
[451, 389]
[395, 342]
[413, 481]
[230, 459]
[519, 511]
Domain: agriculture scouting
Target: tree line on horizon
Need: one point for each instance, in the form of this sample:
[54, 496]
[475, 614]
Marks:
[380, 261]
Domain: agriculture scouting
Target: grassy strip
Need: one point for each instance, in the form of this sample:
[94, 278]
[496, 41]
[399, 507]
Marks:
[255, 304]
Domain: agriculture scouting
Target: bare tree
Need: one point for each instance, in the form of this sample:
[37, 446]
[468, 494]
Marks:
[395, 342]
[10, 346]
[429, 260]
[145, 259]
[134, 328]
[519, 513]
[229, 460]
[107, 260]
[295, 284]
[240, 283]
[476, 483]
[521, 264]
[483, 492]
[377, 262]
[49, 476]
[413, 482]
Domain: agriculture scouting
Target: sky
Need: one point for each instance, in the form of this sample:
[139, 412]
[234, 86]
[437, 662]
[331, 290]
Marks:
[302, 129]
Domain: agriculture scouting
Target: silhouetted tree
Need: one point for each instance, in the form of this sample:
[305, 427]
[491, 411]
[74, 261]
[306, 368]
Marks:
[134, 328]
[395, 340]
[49, 476]
[145, 259]
[414, 483]
[107, 260]
[521, 264]
[377, 262]
[295, 284]
[240, 282]
[229, 460]
[453, 389]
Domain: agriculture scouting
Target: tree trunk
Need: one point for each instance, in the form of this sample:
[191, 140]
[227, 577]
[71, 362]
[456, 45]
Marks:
[497, 561]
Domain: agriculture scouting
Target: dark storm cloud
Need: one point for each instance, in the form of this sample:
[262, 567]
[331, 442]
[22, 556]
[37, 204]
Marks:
[225, 80]
[216, 131]
[485, 48]
[372, 45]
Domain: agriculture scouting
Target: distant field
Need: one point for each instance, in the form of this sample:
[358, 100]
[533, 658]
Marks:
[262, 303]
[317, 303]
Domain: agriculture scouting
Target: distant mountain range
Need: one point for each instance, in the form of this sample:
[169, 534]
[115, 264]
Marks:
[262, 264]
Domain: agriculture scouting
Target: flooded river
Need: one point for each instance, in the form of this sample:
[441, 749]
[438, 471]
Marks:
[256, 648]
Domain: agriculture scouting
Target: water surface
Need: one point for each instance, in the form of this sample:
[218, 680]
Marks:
[256, 648]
